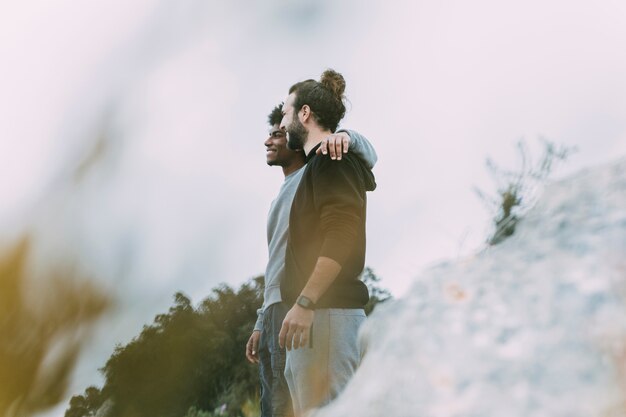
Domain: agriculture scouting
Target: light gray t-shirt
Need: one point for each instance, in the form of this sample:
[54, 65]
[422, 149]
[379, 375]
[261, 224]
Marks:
[278, 223]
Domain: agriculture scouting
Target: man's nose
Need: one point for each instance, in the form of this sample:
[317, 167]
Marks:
[268, 141]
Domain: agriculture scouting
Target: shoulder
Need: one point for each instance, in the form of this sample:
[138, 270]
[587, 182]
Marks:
[347, 161]
[321, 167]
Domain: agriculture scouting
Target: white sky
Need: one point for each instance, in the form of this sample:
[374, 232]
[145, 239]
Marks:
[181, 91]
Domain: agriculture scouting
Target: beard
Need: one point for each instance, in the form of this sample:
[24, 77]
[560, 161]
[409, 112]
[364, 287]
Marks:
[297, 135]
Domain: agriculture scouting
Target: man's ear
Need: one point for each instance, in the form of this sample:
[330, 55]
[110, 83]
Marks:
[306, 113]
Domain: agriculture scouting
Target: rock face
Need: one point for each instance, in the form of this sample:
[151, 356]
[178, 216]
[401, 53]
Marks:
[535, 326]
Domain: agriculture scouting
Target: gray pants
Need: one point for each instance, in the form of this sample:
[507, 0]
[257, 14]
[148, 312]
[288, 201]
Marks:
[317, 373]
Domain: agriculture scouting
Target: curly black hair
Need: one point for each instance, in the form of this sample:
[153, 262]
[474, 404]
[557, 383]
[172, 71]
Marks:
[276, 115]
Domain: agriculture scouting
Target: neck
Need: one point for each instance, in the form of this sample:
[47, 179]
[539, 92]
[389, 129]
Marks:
[314, 137]
[293, 167]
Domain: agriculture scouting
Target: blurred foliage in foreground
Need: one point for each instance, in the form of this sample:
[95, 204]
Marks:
[517, 190]
[191, 361]
[43, 323]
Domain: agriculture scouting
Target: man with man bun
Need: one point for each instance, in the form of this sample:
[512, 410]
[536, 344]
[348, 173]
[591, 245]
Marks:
[325, 252]
[262, 346]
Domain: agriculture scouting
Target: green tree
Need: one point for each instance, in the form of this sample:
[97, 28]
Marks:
[186, 358]
[377, 294]
[86, 405]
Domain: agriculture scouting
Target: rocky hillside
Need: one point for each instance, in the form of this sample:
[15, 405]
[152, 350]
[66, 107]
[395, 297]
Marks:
[535, 326]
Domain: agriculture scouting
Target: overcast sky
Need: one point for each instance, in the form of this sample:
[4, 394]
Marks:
[176, 94]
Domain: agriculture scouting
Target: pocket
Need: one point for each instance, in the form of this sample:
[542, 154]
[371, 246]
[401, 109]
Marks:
[345, 325]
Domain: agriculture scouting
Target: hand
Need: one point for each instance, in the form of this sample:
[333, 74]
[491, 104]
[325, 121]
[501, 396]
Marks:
[252, 347]
[335, 144]
[296, 328]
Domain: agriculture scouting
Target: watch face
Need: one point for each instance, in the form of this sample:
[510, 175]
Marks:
[304, 302]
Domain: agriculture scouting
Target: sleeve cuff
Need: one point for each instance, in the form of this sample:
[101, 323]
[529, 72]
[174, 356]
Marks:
[259, 321]
[337, 252]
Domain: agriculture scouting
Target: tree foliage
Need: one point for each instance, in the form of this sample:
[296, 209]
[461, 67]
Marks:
[190, 361]
[86, 405]
[377, 294]
[187, 359]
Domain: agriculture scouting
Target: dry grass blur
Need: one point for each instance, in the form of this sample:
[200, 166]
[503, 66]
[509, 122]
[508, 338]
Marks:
[42, 327]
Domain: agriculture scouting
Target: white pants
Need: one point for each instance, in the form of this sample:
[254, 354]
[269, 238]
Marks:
[317, 373]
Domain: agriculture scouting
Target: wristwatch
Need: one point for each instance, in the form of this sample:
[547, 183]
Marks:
[305, 302]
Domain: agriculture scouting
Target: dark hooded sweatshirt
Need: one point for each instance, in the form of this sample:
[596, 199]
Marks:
[328, 219]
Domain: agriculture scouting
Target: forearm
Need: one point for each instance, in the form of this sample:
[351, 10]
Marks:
[324, 274]
[362, 147]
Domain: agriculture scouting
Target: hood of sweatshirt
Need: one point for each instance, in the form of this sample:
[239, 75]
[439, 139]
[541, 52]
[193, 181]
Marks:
[368, 176]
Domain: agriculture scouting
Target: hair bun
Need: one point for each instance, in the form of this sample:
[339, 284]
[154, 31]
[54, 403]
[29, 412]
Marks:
[334, 81]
